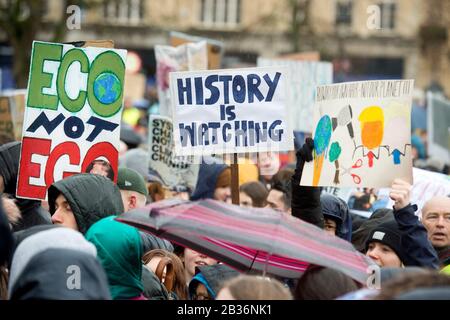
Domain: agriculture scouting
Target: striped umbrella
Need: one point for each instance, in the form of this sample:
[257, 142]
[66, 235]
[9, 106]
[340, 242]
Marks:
[248, 238]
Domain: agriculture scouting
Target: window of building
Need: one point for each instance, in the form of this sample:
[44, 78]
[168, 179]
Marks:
[124, 11]
[220, 13]
[344, 12]
[388, 10]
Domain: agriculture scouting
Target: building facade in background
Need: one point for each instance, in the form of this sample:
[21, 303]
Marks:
[365, 39]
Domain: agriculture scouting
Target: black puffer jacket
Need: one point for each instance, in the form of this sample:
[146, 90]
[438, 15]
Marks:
[31, 210]
[91, 198]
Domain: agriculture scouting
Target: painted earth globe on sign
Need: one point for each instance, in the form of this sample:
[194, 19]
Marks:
[107, 88]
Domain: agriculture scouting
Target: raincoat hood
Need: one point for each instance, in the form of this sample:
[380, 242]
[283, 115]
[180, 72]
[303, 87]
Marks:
[91, 198]
[48, 276]
[43, 240]
[335, 208]
[119, 250]
[207, 179]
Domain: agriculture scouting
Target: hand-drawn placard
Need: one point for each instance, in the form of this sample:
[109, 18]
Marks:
[230, 111]
[72, 115]
[362, 134]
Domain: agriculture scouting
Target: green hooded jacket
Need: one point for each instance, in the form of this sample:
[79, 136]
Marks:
[119, 250]
[91, 198]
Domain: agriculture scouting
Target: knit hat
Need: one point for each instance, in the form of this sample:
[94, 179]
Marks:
[389, 234]
[129, 179]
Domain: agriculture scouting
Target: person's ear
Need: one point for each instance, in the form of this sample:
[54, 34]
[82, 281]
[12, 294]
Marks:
[132, 202]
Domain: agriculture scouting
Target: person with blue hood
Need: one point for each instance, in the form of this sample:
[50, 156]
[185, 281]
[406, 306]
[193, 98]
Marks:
[214, 181]
[208, 280]
[338, 220]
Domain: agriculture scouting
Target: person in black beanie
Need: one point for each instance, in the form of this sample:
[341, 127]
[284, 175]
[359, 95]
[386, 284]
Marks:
[384, 245]
[403, 241]
[31, 210]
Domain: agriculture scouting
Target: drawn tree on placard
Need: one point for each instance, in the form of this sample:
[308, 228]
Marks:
[322, 138]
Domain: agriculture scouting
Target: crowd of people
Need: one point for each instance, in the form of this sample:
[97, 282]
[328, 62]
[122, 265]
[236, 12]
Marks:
[45, 246]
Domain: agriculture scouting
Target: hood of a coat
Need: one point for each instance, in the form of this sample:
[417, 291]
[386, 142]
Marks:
[207, 179]
[91, 198]
[48, 276]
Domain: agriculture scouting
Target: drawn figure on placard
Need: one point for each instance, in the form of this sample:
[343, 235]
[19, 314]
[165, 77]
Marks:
[344, 118]
[322, 138]
[394, 143]
[372, 130]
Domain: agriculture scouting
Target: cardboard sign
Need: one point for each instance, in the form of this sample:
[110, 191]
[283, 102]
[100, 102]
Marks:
[215, 48]
[190, 56]
[72, 115]
[304, 77]
[230, 111]
[174, 171]
[362, 135]
[6, 121]
[12, 108]
[93, 43]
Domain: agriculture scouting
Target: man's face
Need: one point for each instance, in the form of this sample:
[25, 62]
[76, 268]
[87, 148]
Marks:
[436, 219]
[275, 201]
[268, 164]
[63, 214]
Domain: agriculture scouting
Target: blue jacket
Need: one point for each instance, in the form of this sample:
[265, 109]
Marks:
[207, 179]
[418, 249]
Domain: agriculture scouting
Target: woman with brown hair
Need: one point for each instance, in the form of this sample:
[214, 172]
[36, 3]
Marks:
[253, 194]
[152, 258]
